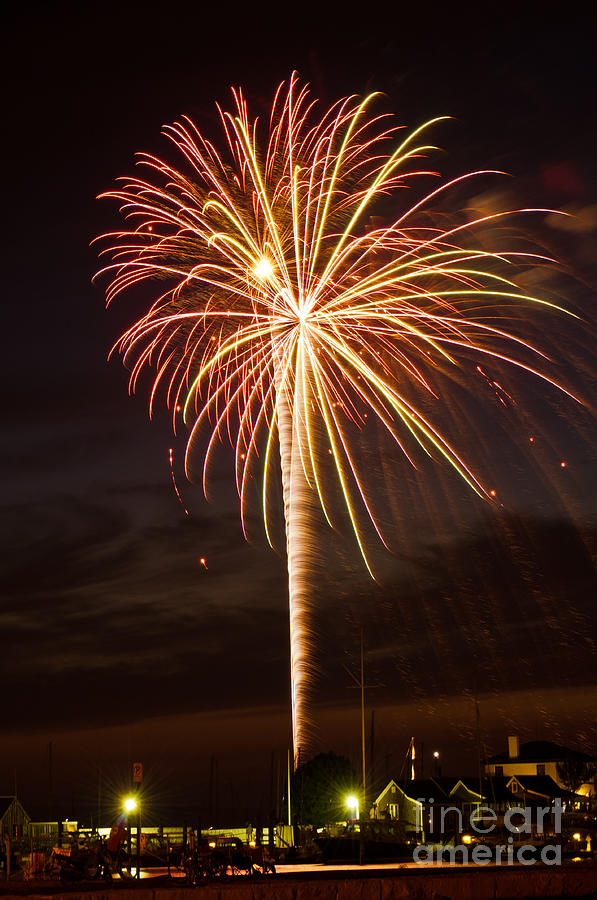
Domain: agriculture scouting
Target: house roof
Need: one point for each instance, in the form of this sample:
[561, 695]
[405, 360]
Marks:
[539, 751]
[419, 789]
[441, 789]
[4, 804]
[449, 783]
[541, 784]
[495, 789]
[425, 788]
[466, 790]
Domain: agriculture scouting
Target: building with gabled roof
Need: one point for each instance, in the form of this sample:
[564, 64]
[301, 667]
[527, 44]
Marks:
[537, 790]
[406, 802]
[542, 759]
[423, 801]
[14, 821]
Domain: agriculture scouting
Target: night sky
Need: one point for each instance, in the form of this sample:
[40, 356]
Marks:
[117, 645]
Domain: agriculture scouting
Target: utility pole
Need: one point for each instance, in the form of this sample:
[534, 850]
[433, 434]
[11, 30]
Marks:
[137, 782]
[363, 720]
[271, 783]
[212, 809]
[360, 683]
[99, 796]
[289, 801]
[50, 784]
[278, 788]
[478, 730]
[372, 747]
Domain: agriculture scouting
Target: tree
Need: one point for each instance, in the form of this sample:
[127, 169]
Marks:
[575, 772]
[320, 788]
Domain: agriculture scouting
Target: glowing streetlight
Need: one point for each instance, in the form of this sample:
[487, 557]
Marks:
[130, 804]
[353, 803]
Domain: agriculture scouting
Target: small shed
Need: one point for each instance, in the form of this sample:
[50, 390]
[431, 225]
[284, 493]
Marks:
[14, 821]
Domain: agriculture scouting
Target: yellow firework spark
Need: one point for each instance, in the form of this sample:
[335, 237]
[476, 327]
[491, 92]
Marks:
[289, 318]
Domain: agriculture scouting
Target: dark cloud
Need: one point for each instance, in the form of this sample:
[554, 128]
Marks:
[108, 610]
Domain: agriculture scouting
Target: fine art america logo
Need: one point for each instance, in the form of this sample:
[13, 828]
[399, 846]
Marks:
[520, 835]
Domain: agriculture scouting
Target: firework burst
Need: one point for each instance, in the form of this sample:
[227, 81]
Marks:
[288, 316]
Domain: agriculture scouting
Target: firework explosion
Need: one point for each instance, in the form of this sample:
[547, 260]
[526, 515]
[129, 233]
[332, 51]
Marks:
[288, 317]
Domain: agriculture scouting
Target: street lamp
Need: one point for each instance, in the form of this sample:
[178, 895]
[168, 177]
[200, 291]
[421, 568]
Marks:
[353, 803]
[130, 804]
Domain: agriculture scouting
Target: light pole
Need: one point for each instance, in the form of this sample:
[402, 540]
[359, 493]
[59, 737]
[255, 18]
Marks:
[352, 802]
[131, 804]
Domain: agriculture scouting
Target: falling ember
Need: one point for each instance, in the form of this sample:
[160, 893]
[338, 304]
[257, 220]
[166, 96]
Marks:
[563, 464]
[493, 493]
[203, 563]
[285, 317]
[532, 440]
[170, 452]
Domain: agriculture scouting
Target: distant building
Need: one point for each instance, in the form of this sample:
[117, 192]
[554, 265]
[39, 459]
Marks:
[541, 790]
[443, 809]
[14, 821]
[401, 802]
[534, 793]
[542, 759]
[428, 805]
[54, 831]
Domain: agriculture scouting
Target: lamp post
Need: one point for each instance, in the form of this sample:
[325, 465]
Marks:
[352, 802]
[131, 804]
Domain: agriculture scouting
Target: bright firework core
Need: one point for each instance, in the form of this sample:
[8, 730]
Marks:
[264, 269]
[353, 321]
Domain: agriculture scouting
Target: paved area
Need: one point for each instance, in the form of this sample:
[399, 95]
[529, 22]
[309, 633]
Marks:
[392, 881]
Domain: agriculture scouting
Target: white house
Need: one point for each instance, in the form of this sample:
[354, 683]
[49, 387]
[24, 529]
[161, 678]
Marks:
[540, 758]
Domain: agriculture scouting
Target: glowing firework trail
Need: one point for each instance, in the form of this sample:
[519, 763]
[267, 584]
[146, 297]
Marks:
[287, 318]
[174, 484]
